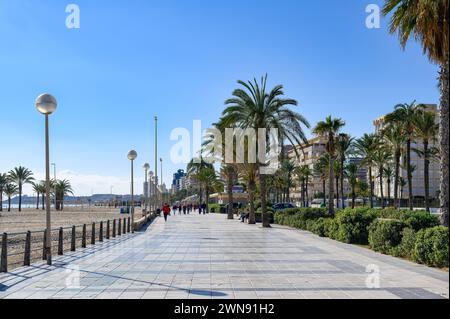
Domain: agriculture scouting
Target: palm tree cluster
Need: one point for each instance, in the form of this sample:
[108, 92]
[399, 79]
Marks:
[12, 183]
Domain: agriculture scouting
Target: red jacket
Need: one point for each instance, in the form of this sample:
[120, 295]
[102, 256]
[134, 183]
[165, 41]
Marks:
[166, 209]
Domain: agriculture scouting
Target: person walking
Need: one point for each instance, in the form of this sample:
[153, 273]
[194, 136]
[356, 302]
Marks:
[184, 209]
[166, 211]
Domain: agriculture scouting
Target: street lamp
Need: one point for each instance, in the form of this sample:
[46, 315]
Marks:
[132, 155]
[46, 105]
[146, 168]
[150, 176]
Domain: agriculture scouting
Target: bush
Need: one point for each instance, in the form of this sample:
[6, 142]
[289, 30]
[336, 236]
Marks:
[416, 220]
[321, 227]
[269, 215]
[406, 247]
[385, 235]
[214, 207]
[431, 247]
[299, 217]
[352, 225]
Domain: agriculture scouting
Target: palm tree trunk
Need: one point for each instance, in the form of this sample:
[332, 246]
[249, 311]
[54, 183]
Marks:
[443, 140]
[426, 175]
[409, 173]
[342, 182]
[397, 177]
[20, 197]
[37, 201]
[371, 186]
[262, 186]
[388, 192]
[353, 197]
[324, 189]
[230, 196]
[307, 195]
[337, 191]
[43, 201]
[1, 200]
[9, 203]
[331, 187]
[302, 193]
[251, 217]
[381, 187]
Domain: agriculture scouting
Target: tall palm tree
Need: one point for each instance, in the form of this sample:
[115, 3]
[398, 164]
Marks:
[42, 191]
[381, 158]
[20, 176]
[194, 167]
[62, 189]
[389, 173]
[254, 107]
[229, 171]
[321, 169]
[344, 148]
[330, 128]
[303, 174]
[405, 114]
[402, 183]
[37, 190]
[248, 172]
[287, 169]
[352, 176]
[208, 179]
[365, 148]
[10, 190]
[428, 22]
[3, 183]
[426, 129]
[393, 135]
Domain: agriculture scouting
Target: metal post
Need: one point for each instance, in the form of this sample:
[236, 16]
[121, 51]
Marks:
[132, 194]
[114, 228]
[100, 235]
[83, 237]
[44, 247]
[156, 163]
[4, 257]
[119, 228]
[48, 243]
[27, 255]
[107, 229]
[93, 234]
[73, 241]
[124, 226]
[61, 242]
[129, 225]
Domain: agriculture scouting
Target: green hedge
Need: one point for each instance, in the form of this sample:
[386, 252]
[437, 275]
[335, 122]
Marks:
[416, 220]
[385, 235]
[431, 247]
[298, 217]
[351, 226]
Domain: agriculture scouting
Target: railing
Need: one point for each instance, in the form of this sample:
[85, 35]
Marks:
[24, 248]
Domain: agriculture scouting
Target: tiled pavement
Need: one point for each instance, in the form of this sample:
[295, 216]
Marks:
[210, 257]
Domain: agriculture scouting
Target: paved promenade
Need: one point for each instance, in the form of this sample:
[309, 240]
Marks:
[210, 257]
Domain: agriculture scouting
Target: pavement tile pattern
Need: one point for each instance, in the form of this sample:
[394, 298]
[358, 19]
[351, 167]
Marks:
[206, 256]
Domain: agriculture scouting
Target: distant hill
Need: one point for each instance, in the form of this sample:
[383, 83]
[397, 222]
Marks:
[96, 198]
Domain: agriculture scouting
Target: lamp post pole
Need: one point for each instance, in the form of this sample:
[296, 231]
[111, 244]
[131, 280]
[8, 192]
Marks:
[146, 168]
[46, 105]
[156, 162]
[132, 155]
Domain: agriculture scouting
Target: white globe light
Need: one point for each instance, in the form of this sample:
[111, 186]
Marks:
[146, 166]
[46, 104]
[132, 155]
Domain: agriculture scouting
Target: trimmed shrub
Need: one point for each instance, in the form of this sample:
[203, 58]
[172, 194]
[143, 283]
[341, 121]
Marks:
[352, 225]
[384, 235]
[431, 247]
[298, 217]
[321, 227]
[406, 247]
[418, 220]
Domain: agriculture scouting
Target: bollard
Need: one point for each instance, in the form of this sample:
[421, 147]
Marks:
[83, 237]
[27, 254]
[119, 229]
[44, 255]
[4, 257]
[73, 245]
[129, 224]
[114, 228]
[93, 234]
[107, 229]
[100, 235]
[61, 242]
[124, 226]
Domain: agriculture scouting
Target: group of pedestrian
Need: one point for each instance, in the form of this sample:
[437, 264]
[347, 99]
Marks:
[184, 209]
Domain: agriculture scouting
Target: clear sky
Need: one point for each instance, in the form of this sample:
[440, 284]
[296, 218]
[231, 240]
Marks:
[180, 60]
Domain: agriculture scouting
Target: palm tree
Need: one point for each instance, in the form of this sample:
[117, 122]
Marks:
[287, 169]
[248, 172]
[393, 134]
[303, 174]
[42, 191]
[62, 188]
[37, 190]
[321, 169]
[381, 158]
[344, 148]
[20, 176]
[366, 147]
[405, 114]
[209, 181]
[389, 173]
[10, 190]
[352, 176]
[194, 167]
[428, 22]
[426, 129]
[3, 183]
[254, 107]
[330, 127]
[402, 183]
[229, 172]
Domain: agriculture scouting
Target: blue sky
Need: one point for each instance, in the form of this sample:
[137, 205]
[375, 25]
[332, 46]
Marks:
[179, 60]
